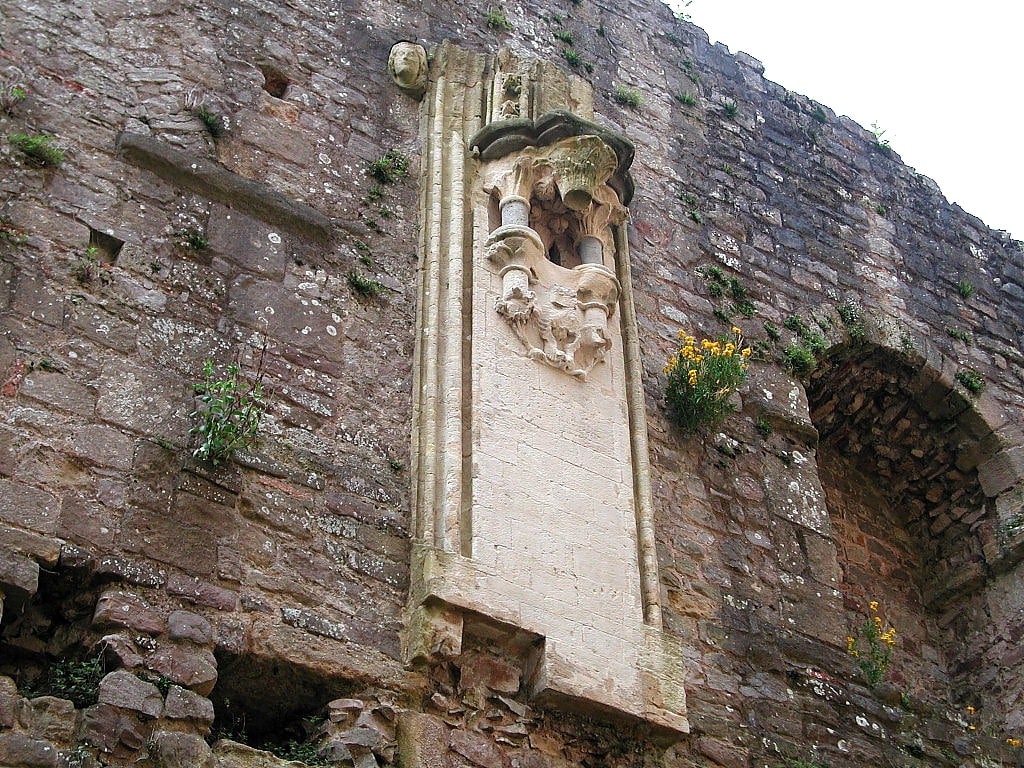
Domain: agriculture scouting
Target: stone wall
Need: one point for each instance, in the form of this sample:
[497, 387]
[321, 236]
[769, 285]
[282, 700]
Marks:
[262, 600]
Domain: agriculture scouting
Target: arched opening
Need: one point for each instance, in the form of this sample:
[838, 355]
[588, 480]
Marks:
[898, 460]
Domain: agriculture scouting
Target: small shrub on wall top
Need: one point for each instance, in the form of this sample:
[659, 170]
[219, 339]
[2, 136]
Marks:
[701, 378]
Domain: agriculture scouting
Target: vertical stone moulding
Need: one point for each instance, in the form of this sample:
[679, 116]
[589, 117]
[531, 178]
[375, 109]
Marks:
[531, 496]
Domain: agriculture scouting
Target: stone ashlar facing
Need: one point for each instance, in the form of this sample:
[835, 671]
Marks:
[530, 515]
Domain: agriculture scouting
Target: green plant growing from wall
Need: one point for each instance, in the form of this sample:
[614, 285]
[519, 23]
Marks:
[11, 95]
[88, 267]
[302, 751]
[701, 379]
[230, 410]
[690, 71]
[38, 147]
[193, 239]
[573, 58]
[872, 646]
[959, 334]
[965, 288]
[628, 97]
[853, 318]
[799, 360]
[77, 681]
[881, 143]
[687, 99]
[365, 286]
[390, 167]
[565, 36]
[496, 20]
[971, 380]
[730, 108]
[213, 122]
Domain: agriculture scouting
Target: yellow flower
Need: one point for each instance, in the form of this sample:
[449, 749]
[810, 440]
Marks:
[1014, 742]
[970, 710]
[746, 352]
[873, 605]
[736, 330]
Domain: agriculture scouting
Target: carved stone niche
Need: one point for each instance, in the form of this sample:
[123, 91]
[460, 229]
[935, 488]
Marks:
[533, 523]
[554, 246]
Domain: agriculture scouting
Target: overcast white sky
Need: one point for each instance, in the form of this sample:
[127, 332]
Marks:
[945, 80]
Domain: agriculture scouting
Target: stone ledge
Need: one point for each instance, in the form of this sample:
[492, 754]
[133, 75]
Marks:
[205, 178]
[450, 595]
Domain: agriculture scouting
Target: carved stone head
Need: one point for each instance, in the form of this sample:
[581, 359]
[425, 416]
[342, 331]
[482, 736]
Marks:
[407, 65]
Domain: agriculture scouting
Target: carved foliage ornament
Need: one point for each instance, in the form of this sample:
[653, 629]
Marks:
[558, 314]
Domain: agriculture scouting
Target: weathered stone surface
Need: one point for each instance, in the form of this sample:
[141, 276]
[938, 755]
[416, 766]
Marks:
[123, 609]
[19, 750]
[184, 625]
[190, 667]
[495, 674]
[103, 446]
[180, 750]
[9, 698]
[477, 748]
[28, 507]
[48, 718]
[183, 704]
[124, 690]
[19, 577]
[113, 729]
[422, 740]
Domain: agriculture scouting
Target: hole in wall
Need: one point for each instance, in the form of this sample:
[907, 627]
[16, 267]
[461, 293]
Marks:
[106, 246]
[905, 508]
[275, 82]
[269, 700]
[50, 627]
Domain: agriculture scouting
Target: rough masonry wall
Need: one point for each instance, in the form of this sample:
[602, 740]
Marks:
[258, 592]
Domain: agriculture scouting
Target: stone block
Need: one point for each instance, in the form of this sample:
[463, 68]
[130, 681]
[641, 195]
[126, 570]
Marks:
[202, 593]
[59, 391]
[477, 748]
[9, 698]
[28, 507]
[43, 549]
[123, 609]
[168, 541]
[113, 729]
[48, 718]
[422, 741]
[183, 704]
[85, 522]
[19, 577]
[488, 672]
[169, 749]
[141, 401]
[19, 750]
[1002, 471]
[194, 668]
[185, 625]
[124, 690]
[103, 446]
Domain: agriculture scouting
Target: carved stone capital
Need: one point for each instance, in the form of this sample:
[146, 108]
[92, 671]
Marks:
[582, 164]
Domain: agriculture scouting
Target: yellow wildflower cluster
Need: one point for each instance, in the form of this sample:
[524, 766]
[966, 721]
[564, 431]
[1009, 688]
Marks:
[1015, 743]
[874, 646]
[702, 375]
